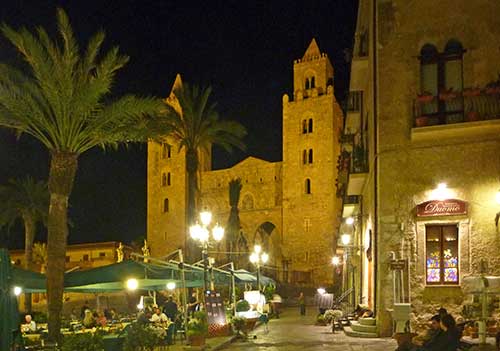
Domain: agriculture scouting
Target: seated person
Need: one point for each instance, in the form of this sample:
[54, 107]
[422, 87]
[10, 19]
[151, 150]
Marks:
[430, 334]
[29, 326]
[101, 319]
[159, 316]
[88, 320]
[448, 339]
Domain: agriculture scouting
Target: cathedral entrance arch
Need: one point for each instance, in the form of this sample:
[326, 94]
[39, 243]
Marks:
[267, 236]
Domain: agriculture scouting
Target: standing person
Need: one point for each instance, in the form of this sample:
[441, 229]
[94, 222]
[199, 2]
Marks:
[83, 309]
[302, 304]
[276, 303]
[170, 308]
[192, 304]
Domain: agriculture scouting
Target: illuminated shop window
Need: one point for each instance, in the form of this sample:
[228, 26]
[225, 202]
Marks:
[441, 254]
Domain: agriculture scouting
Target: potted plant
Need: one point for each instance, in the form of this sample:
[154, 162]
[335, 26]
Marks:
[425, 97]
[197, 329]
[333, 316]
[238, 324]
[422, 121]
[141, 337]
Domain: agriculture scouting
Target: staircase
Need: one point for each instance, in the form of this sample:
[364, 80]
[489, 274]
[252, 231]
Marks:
[362, 328]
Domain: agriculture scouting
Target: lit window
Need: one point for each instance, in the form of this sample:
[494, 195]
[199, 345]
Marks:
[308, 186]
[165, 206]
[441, 254]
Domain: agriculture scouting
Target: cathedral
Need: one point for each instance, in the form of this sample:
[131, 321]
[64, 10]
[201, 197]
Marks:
[290, 207]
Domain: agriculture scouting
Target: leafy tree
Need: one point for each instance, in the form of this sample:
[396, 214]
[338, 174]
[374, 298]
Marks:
[60, 96]
[233, 222]
[26, 200]
[195, 128]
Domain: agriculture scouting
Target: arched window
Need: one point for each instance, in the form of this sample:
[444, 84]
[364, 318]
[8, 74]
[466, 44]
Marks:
[441, 76]
[165, 205]
[163, 179]
[304, 157]
[308, 186]
[304, 126]
[166, 150]
[313, 83]
[307, 83]
[310, 156]
[310, 125]
[169, 178]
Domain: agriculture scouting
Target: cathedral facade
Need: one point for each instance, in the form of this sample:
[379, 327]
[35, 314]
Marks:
[290, 207]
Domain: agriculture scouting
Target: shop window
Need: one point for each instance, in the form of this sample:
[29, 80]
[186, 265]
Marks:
[308, 186]
[441, 254]
[310, 156]
[165, 205]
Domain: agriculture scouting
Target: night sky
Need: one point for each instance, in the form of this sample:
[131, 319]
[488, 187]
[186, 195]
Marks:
[243, 49]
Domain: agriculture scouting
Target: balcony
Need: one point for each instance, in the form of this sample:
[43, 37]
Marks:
[472, 113]
[350, 206]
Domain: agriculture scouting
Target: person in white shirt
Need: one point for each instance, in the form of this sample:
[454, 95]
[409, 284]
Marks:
[159, 316]
[30, 325]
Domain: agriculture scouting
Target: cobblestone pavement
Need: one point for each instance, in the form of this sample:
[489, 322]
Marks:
[292, 332]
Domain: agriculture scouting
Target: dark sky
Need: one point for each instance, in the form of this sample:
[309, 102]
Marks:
[243, 49]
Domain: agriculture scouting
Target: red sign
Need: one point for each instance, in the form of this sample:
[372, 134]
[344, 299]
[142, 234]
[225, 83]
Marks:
[450, 207]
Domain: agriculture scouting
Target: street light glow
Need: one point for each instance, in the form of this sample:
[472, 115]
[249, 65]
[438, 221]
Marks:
[264, 257]
[257, 249]
[497, 197]
[335, 260]
[132, 284]
[17, 290]
[321, 291]
[254, 257]
[218, 232]
[206, 217]
[346, 239]
[349, 220]
[195, 231]
[171, 285]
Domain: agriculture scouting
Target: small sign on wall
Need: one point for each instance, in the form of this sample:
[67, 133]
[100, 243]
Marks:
[398, 265]
[449, 207]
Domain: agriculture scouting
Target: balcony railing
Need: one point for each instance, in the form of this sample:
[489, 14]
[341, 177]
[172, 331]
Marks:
[453, 107]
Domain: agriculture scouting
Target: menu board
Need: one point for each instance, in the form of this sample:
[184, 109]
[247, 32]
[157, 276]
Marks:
[215, 308]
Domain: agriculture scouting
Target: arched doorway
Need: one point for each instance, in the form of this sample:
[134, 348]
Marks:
[267, 236]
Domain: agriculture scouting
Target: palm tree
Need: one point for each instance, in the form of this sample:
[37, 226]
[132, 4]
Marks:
[60, 96]
[27, 200]
[233, 222]
[40, 256]
[195, 128]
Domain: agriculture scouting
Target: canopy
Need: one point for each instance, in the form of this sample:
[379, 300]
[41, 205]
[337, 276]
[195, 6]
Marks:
[8, 302]
[476, 284]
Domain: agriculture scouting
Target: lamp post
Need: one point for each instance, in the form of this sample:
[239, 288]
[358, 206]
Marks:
[201, 234]
[257, 257]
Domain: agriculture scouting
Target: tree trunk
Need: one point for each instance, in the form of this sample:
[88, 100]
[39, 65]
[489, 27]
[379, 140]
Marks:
[192, 169]
[29, 236]
[62, 174]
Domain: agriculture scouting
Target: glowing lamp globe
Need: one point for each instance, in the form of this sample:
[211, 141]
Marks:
[218, 233]
[17, 290]
[349, 220]
[206, 217]
[132, 284]
[335, 260]
[346, 239]
[321, 291]
[254, 257]
[264, 257]
[195, 231]
[171, 285]
[257, 249]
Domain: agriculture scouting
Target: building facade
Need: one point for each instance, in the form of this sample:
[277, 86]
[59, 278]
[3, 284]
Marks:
[424, 120]
[288, 207]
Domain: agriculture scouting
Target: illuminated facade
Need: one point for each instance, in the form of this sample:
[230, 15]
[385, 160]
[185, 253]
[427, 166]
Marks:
[288, 207]
[420, 163]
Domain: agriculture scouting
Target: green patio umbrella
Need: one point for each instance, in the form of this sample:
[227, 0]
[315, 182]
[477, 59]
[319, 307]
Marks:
[8, 303]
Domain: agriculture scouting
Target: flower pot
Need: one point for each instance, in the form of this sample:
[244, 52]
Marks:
[473, 116]
[197, 340]
[422, 121]
[471, 92]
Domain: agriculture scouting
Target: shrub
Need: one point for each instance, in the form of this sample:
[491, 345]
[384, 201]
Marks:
[83, 342]
[141, 337]
[198, 325]
[238, 324]
[242, 306]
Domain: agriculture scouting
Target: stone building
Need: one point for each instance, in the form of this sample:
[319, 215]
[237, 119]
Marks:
[289, 207]
[423, 122]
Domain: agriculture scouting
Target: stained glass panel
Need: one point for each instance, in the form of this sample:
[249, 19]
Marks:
[451, 275]
[433, 275]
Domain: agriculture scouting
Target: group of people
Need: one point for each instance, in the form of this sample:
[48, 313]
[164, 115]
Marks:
[91, 319]
[443, 335]
[166, 315]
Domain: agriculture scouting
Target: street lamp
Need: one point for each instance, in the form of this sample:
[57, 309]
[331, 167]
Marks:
[201, 234]
[335, 260]
[257, 257]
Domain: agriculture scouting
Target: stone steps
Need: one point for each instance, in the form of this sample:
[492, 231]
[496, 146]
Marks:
[367, 321]
[363, 328]
[357, 334]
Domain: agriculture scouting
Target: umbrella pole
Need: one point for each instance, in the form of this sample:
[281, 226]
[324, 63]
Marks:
[184, 292]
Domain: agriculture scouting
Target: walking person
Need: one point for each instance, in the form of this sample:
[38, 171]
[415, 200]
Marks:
[302, 304]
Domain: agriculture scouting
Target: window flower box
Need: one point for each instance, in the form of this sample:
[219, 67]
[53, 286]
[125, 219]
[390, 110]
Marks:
[447, 95]
[470, 92]
[425, 98]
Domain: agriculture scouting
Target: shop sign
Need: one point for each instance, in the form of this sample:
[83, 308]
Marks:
[450, 207]
[398, 265]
